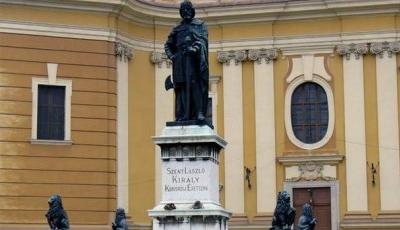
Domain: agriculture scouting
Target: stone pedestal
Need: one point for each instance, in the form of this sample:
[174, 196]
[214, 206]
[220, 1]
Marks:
[190, 175]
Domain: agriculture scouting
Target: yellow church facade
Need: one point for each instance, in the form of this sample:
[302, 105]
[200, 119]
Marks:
[306, 94]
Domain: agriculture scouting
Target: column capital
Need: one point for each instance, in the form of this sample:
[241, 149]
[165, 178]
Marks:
[123, 51]
[380, 48]
[160, 57]
[356, 49]
[225, 57]
[258, 54]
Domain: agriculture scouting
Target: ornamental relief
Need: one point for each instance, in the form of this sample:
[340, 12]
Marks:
[305, 73]
[159, 58]
[256, 55]
[188, 151]
[310, 172]
[376, 48]
[123, 51]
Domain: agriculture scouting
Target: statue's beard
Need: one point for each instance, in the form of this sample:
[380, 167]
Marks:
[284, 207]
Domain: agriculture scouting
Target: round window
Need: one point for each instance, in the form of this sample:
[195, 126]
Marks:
[309, 112]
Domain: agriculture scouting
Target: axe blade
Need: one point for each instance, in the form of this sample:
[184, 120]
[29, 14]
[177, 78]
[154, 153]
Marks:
[168, 83]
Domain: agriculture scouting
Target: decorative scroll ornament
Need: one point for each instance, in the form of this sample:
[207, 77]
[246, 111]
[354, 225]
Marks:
[158, 58]
[379, 48]
[310, 172]
[356, 49]
[123, 52]
[267, 54]
[227, 56]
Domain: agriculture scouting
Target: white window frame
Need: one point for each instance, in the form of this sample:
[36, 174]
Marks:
[331, 111]
[67, 121]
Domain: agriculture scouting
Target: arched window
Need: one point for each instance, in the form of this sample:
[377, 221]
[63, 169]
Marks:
[309, 112]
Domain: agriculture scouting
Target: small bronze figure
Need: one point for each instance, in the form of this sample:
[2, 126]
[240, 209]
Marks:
[307, 221]
[187, 47]
[56, 215]
[284, 214]
[169, 206]
[120, 220]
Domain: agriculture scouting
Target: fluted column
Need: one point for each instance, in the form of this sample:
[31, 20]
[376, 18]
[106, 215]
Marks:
[265, 128]
[164, 105]
[388, 123]
[356, 174]
[233, 128]
[124, 54]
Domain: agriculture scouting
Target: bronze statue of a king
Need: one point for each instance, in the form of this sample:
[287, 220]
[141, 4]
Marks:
[187, 48]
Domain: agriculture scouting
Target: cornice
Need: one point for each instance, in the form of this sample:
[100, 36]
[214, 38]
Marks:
[287, 45]
[253, 11]
[330, 159]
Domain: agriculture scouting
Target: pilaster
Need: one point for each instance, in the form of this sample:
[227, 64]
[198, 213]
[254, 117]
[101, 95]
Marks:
[164, 104]
[355, 125]
[388, 123]
[265, 128]
[233, 128]
[356, 176]
[124, 54]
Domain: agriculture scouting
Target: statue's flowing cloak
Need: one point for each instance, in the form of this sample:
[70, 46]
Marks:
[199, 33]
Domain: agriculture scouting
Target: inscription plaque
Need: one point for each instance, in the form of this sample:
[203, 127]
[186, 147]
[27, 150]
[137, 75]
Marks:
[189, 181]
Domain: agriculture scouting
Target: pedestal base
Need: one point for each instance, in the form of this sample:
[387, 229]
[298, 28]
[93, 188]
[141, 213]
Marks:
[190, 180]
[184, 217]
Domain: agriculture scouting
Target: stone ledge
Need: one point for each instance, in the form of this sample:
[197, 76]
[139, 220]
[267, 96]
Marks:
[46, 227]
[238, 221]
[356, 220]
[185, 209]
[50, 142]
[263, 219]
[189, 134]
[329, 159]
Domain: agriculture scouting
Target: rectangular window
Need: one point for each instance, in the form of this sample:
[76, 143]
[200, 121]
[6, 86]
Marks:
[51, 112]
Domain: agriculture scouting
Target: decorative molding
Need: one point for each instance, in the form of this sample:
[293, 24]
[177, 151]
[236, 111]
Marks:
[158, 58]
[356, 49]
[263, 11]
[310, 171]
[51, 142]
[380, 48]
[214, 79]
[288, 105]
[225, 57]
[258, 54]
[288, 45]
[328, 159]
[51, 80]
[190, 152]
[124, 52]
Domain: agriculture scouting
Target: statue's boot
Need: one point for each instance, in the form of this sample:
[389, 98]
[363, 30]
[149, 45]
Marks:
[201, 117]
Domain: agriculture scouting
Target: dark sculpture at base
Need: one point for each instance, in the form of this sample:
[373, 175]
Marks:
[307, 221]
[187, 48]
[56, 215]
[284, 214]
[120, 220]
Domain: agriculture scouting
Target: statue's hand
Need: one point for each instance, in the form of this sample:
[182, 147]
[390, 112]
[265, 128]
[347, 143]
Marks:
[173, 57]
[314, 221]
[191, 50]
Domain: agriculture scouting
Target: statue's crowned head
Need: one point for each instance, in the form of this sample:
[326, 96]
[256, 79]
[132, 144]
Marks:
[186, 10]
